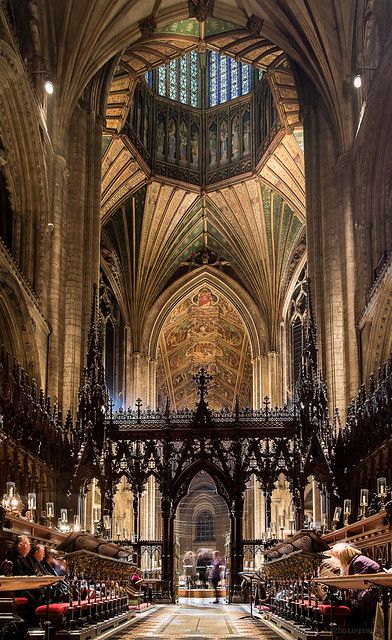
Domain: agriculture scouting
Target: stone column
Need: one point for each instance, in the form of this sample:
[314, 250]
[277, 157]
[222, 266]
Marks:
[257, 378]
[56, 293]
[273, 378]
[167, 541]
[152, 383]
[331, 256]
[83, 242]
[237, 556]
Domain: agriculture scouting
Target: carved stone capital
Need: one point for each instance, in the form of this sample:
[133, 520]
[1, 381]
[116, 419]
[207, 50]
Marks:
[255, 24]
[147, 26]
[201, 9]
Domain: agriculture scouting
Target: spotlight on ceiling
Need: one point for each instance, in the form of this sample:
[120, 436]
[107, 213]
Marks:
[357, 81]
[49, 88]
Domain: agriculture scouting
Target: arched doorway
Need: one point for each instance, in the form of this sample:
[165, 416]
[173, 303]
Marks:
[202, 525]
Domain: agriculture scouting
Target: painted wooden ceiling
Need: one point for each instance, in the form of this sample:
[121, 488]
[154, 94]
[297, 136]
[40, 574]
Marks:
[248, 231]
[154, 234]
[204, 330]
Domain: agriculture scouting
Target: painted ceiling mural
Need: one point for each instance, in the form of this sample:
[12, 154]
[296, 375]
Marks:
[204, 330]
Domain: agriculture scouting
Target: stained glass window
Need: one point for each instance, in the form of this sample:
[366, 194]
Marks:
[162, 81]
[205, 529]
[194, 79]
[173, 81]
[213, 79]
[227, 78]
[180, 79]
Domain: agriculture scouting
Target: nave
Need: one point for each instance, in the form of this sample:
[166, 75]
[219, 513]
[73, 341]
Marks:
[204, 621]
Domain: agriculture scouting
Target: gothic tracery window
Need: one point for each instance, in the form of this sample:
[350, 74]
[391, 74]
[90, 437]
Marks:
[205, 527]
[227, 78]
[180, 79]
[298, 309]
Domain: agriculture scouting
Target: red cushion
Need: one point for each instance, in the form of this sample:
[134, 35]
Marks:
[59, 608]
[340, 610]
[263, 607]
[21, 602]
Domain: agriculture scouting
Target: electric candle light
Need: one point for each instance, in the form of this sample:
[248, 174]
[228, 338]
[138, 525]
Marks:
[364, 497]
[382, 486]
[346, 511]
[337, 513]
[10, 486]
[64, 516]
[363, 502]
[32, 501]
[50, 509]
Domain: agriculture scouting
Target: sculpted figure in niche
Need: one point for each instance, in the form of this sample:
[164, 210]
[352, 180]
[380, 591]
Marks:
[223, 141]
[246, 134]
[145, 126]
[235, 138]
[212, 147]
[183, 141]
[172, 140]
[195, 148]
[160, 138]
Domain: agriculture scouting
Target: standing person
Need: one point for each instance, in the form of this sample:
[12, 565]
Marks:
[215, 573]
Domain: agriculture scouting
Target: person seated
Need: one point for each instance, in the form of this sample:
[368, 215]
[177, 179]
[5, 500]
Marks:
[23, 565]
[59, 592]
[329, 568]
[21, 559]
[353, 562]
[51, 564]
[138, 583]
[37, 554]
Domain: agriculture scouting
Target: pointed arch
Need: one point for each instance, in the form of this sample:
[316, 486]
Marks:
[205, 276]
[222, 481]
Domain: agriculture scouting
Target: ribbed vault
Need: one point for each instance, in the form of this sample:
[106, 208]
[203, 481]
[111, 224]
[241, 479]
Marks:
[247, 231]
[319, 37]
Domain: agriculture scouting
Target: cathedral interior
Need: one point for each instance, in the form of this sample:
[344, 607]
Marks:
[195, 297]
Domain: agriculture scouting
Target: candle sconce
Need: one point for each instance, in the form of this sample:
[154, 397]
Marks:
[336, 517]
[50, 513]
[363, 503]
[382, 491]
[346, 511]
[32, 504]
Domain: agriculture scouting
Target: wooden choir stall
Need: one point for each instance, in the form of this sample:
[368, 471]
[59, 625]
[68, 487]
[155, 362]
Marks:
[99, 596]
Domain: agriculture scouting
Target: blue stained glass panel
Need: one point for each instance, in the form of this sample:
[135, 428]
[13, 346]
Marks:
[213, 78]
[173, 80]
[162, 81]
[194, 78]
[223, 94]
[234, 93]
[184, 79]
[180, 79]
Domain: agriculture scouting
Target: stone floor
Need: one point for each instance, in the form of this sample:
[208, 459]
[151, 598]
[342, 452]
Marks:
[198, 622]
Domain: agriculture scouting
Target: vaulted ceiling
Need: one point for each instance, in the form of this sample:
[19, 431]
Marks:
[250, 231]
[318, 36]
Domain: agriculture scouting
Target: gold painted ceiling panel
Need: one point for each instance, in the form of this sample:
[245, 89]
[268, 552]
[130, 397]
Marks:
[204, 330]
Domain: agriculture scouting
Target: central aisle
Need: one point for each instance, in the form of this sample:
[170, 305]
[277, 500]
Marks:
[198, 622]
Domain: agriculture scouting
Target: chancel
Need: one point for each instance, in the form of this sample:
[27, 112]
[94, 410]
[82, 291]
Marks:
[195, 319]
